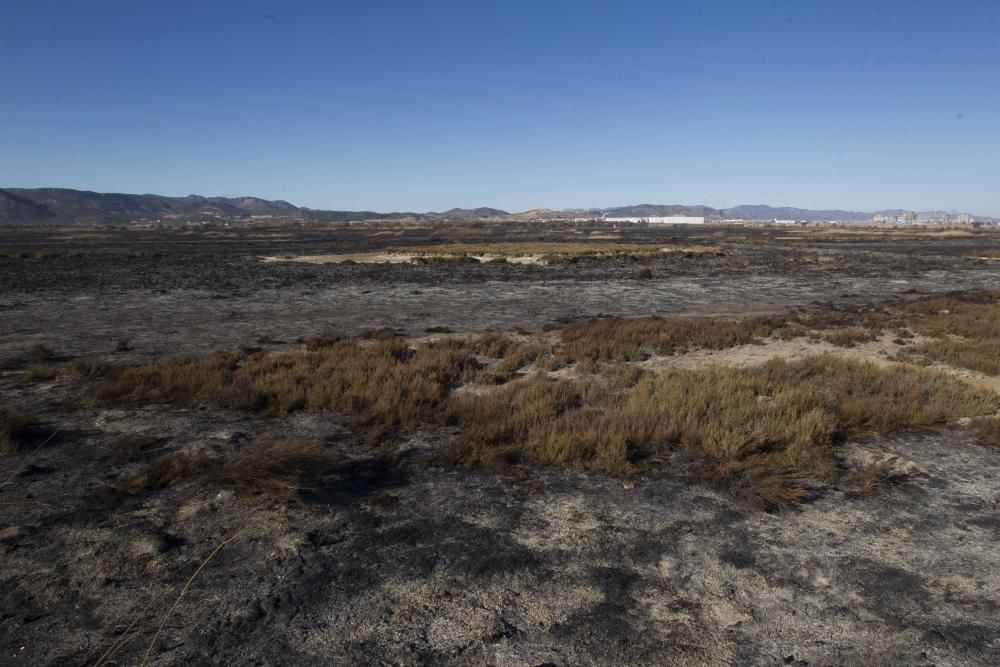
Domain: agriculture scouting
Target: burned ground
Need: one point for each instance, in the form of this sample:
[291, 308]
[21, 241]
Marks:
[384, 551]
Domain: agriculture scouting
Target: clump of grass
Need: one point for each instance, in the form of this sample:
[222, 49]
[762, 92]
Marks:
[973, 316]
[14, 428]
[386, 384]
[850, 337]
[165, 471]
[759, 431]
[382, 333]
[633, 339]
[702, 251]
[622, 376]
[521, 356]
[273, 469]
[89, 367]
[978, 355]
[965, 328]
[988, 431]
[876, 478]
[764, 433]
[322, 341]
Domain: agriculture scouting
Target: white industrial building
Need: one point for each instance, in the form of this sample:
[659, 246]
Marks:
[664, 220]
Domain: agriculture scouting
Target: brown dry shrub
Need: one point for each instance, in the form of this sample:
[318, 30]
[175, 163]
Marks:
[491, 345]
[622, 376]
[876, 478]
[385, 383]
[89, 367]
[165, 471]
[758, 430]
[978, 355]
[14, 427]
[850, 337]
[322, 341]
[633, 339]
[517, 358]
[972, 315]
[273, 469]
[988, 431]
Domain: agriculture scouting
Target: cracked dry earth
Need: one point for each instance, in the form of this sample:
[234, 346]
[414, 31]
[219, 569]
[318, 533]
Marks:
[417, 564]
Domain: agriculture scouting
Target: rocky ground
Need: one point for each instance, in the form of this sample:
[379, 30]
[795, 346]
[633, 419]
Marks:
[401, 562]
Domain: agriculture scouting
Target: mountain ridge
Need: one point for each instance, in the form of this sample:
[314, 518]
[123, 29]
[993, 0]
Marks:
[65, 205]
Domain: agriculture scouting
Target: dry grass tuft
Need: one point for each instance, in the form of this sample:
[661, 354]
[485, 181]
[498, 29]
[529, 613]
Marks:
[274, 469]
[759, 431]
[977, 355]
[386, 384]
[166, 471]
[988, 431]
[876, 478]
[634, 339]
[966, 326]
[89, 367]
[764, 433]
[850, 337]
[323, 341]
[14, 427]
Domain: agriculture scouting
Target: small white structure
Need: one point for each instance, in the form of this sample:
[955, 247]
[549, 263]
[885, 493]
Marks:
[663, 220]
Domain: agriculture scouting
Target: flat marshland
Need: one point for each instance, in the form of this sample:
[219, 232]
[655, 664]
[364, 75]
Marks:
[500, 443]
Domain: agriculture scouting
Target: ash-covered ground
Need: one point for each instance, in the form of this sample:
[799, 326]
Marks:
[395, 561]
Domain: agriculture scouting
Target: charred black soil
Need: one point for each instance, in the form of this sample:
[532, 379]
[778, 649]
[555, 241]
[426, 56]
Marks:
[418, 524]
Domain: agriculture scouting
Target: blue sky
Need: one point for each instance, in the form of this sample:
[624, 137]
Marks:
[427, 105]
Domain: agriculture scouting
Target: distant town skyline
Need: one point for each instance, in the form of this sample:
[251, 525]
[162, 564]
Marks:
[393, 106]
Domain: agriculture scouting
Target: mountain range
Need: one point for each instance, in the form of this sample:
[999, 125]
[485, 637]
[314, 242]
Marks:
[66, 206]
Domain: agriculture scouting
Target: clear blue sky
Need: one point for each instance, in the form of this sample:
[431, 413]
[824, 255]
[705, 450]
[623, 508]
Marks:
[426, 105]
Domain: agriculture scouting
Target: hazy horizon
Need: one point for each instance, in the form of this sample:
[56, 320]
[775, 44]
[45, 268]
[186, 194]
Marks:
[392, 106]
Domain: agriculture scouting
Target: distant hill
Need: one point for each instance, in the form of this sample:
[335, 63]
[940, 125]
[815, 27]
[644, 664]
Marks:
[764, 212]
[19, 206]
[16, 208]
[660, 210]
[467, 214]
[251, 203]
[65, 206]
